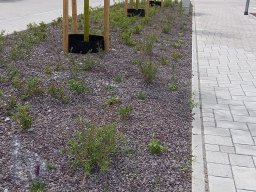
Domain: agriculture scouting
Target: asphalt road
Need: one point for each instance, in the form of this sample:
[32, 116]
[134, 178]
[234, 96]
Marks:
[16, 14]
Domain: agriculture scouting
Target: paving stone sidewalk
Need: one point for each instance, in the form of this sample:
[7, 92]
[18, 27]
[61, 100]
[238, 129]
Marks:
[224, 84]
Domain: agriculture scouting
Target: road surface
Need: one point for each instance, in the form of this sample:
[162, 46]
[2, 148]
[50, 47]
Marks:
[16, 14]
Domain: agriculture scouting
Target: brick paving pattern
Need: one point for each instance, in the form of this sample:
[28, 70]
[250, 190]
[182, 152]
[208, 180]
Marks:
[224, 52]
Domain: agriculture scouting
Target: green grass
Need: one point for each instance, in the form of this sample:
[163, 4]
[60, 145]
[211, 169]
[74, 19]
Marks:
[149, 71]
[77, 86]
[32, 87]
[38, 187]
[125, 111]
[156, 147]
[23, 116]
[58, 92]
[113, 100]
[93, 147]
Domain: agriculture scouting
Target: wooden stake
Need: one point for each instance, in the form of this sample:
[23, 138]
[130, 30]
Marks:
[137, 4]
[74, 16]
[86, 21]
[126, 7]
[106, 24]
[162, 3]
[131, 4]
[147, 8]
[65, 26]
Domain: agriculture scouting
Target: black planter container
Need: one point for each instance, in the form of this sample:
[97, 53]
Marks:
[136, 12]
[155, 3]
[76, 44]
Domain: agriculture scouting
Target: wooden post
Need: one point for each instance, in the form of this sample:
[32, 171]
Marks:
[65, 25]
[147, 8]
[74, 16]
[106, 24]
[126, 7]
[86, 21]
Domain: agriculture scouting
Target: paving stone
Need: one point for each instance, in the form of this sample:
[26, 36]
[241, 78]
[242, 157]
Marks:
[222, 115]
[244, 119]
[240, 190]
[217, 157]
[209, 147]
[245, 149]
[241, 160]
[232, 125]
[219, 170]
[227, 149]
[252, 128]
[216, 131]
[218, 140]
[242, 137]
[252, 113]
[220, 184]
[245, 177]
[238, 110]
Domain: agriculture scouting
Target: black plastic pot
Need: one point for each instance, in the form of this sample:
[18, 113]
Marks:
[155, 3]
[76, 44]
[136, 12]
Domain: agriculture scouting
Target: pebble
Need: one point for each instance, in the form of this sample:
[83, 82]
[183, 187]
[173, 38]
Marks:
[7, 119]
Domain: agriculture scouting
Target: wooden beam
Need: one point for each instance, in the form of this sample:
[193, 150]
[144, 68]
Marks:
[74, 16]
[65, 26]
[106, 25]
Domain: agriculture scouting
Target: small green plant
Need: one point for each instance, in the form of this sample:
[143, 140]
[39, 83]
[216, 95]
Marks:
[50, 166]
[155, 146]
[127, 38]
[125, 111]
[149, 43]
[23, 116]
[88, 63]
[32, 87]
[1, 93]
[176, 55]
[172, 86]
[58, 92]
[138, 29]
[149, 71]
[118, 78]
[141, 95]
[48, 70]
[164, 61]
[2, 41]
[93, 147]
[38, 187]
[137, 62]
[113, 100]
[192, 104]
[77, 86]
[166, 28]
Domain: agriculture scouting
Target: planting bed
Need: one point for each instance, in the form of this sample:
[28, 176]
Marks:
[58, 89]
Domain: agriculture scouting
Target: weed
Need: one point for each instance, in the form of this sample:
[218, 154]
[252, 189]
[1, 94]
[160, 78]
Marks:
[17, 82]
[164, 61]
[113, 100]
[77, 86]
[155, 146]
[137, 62]
[23, 116]
[166, 28]
[138, 29]
[32, 87]
[88, 63]
[192, 104]
[127, 38]
[148, 44]
[58, 92]
[2, 41]
[50, 166]
[125, 111]
[38, 187]
[141, 95]
[1, 93]
[48, 70]
[172, 86]
[93, 147]
[149, 71]
[118, 78]
[176, 55]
